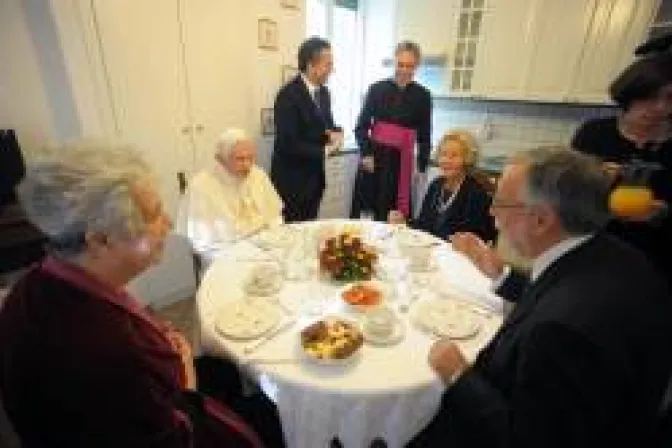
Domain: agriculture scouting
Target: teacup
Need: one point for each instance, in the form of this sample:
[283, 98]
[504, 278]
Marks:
[379, 322]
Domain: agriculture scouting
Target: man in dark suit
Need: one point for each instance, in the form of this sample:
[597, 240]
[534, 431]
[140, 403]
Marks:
[585, 356]
[305, 133]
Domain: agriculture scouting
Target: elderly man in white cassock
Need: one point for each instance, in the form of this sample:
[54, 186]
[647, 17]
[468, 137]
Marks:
[230, 201]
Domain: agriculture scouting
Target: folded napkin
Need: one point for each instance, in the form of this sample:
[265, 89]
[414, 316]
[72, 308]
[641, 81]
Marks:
[444, 287]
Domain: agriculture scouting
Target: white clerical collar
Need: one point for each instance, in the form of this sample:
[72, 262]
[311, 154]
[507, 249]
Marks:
[552, 254]
[312, 88]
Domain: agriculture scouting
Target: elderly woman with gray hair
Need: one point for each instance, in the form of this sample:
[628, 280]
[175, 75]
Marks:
[83, 363]
[233, 199]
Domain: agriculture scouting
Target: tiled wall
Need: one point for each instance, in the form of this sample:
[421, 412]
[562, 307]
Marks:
[505, 127]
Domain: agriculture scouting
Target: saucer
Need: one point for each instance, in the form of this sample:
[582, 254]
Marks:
[396, 336]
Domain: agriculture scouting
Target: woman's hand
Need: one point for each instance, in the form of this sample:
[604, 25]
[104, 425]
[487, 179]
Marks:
[657, 207]
[396, 217]
[183, 349]
[486, 259]
[612, 169]
[368, 164]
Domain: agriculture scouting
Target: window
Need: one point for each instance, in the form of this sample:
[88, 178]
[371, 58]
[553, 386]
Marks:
[340, 22]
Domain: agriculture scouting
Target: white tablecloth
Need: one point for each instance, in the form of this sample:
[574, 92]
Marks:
[388, 392]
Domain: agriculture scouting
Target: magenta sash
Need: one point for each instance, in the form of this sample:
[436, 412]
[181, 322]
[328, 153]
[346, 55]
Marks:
[403, 140]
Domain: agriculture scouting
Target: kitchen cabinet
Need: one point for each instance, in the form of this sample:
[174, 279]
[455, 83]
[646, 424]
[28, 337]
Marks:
[426, 22]
[533, 50]
[618, 26]
[504, 50]
[559, 32]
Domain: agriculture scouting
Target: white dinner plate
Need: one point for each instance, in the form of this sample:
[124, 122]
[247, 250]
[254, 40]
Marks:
[245, 319]
[445, 318]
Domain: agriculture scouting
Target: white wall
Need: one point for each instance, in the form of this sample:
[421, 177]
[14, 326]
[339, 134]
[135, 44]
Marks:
[268, 65]
[23, 99]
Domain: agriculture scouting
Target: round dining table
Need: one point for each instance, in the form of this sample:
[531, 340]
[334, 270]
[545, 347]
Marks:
[386, 392]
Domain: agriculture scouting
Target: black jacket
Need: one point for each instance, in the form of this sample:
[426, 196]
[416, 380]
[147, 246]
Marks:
[582, 361]
[469, 212]
[298, 154]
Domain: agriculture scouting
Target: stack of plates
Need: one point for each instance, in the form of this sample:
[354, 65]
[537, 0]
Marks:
[245, 319]
[446, 318]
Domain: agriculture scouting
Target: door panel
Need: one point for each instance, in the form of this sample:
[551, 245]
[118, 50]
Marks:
[217, 48]
[141, 50]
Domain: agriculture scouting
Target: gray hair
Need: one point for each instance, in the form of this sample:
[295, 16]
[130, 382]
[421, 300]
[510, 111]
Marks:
[409, 46]
[572, 183]
[228, 140]
[81, 187]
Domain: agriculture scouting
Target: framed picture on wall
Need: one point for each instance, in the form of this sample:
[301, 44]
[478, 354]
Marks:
[267, 121]
[290, 4]
[267, 34]
[288, 73]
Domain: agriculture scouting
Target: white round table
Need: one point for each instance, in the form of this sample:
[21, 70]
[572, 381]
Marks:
[389, 392]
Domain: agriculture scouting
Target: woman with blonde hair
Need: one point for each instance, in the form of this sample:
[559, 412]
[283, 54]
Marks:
[455, 200]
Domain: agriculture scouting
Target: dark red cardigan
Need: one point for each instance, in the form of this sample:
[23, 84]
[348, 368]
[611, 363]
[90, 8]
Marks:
[83, 365]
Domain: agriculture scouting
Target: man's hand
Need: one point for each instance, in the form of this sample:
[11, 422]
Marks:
[335, 138]
[486, 259]
[368, 164]
[447, 360]
[396, 217]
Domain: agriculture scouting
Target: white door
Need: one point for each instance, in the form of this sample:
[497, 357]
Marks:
[218, 44]
[141, 49]
[618, 26]
[560, 30]
[505, 49]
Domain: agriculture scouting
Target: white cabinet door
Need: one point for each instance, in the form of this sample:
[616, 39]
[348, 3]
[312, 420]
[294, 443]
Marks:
[427, 22]
[217, 48]
[141, 50]
[618, 26]
[504, 50]
[560, 30]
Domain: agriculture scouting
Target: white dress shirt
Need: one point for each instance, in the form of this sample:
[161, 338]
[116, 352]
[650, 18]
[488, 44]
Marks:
[313, 91]
[545, 259]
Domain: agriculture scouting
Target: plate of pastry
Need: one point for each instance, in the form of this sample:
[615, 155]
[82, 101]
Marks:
[331, 341]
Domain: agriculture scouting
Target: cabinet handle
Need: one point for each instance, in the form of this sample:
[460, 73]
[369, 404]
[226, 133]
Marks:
[186, 130]
[199, 128]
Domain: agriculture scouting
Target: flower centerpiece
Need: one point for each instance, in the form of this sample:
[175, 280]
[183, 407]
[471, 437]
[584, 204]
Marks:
[346, 258]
